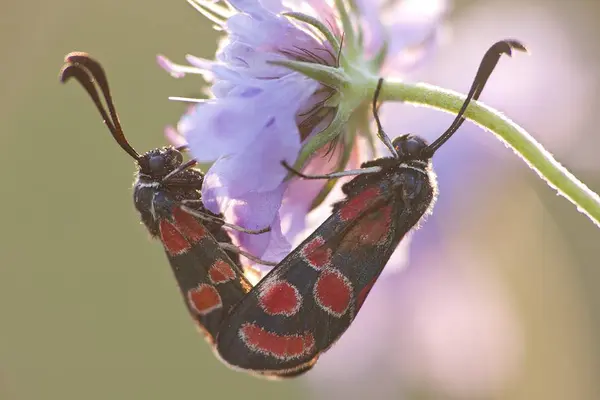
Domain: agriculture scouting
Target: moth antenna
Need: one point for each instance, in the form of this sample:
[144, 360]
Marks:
[88, 71]
[82, 76]
[182, 167]
[380, 133]
[486, 67]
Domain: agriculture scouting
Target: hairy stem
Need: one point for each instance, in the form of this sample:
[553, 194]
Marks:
[532, 152]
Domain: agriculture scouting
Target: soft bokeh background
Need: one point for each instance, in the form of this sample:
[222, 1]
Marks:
[88, 305]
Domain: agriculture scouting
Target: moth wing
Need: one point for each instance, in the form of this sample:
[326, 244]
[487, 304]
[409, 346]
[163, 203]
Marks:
[209, 281]
[304, 305]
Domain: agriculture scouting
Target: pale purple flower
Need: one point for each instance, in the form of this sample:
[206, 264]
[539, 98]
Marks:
[263, 113]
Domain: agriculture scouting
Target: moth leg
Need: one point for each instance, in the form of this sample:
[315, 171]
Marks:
[211, 218]
[179, 169]
[192, 201]
[350, 172]
[235, 249]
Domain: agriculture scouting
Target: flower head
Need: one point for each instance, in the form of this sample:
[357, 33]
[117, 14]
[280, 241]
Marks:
[291, 82]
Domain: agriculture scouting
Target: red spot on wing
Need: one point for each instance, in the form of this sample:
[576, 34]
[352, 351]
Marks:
[333, 292]
[279, 298]
[316, 254]
[204, 298]
[220, 272]
[357, 204]
[372, 229]
[173, 241]
[188, 225]
[283, 347]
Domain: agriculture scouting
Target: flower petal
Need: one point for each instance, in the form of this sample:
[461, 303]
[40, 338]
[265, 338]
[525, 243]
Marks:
[252, 62]
[258, 168]
[177, 70]
[253, 8]
[279, 247]
[256, 211]
[406, 24]
[169, 66]
[216, 128]
[301, 193]
[214, 193]
[250, 134]
[271, 34]
[414, 31]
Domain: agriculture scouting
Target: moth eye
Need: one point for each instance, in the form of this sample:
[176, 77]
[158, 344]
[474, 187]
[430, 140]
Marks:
[156, 164]
[409, 145]
[412, 146]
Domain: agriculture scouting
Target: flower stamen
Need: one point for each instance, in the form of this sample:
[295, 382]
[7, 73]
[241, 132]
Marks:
[177, 70]
[212, 11]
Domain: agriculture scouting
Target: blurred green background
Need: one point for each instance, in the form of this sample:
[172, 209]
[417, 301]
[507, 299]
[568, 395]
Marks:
[88, 305]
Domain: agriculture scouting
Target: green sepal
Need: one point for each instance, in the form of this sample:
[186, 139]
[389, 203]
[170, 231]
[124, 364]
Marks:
[379, 59]
[347, 27]
[332, 77]
[321, 27]
[321, 139]
[348, 144]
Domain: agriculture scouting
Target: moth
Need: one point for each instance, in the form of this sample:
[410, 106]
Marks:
[303, 306]
[166, 193]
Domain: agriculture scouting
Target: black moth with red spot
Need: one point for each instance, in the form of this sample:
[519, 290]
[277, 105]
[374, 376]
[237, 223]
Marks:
[167, 196]
[306, 303]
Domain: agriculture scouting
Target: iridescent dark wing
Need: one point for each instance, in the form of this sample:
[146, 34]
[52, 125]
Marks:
[305, 304]
[209, 281]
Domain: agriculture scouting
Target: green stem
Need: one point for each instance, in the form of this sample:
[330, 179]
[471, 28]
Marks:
[538, 158]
